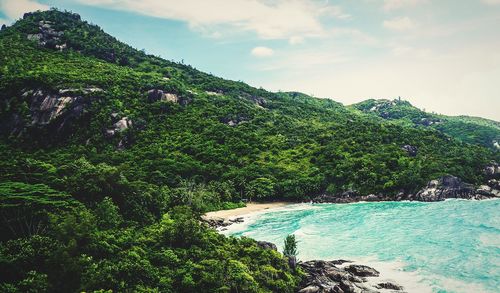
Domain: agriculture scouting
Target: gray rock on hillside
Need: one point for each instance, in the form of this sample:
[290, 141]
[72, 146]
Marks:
[119, 126]
[48, 36]
[410, 150]
[56, 109]
[155, 95]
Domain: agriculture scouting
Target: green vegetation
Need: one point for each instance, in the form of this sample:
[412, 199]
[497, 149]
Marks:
[290, 246]
[473, 130]
[87, 205]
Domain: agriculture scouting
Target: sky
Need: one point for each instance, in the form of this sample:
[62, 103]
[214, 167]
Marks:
[441, 55]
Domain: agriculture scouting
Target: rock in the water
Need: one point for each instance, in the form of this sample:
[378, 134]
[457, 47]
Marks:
[267, 245]
[389, 286]
[330, 276]
[362, 271]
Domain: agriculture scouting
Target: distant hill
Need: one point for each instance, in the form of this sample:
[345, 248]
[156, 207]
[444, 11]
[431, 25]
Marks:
[474, 130]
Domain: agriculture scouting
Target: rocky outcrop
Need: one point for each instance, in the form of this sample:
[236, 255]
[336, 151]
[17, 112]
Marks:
[428, 121]
[155, 95]
[51, 110]
[258, 101]
[267, 245]
[446, 187]
[362, 271]
[47, 36]
[389, 286]
[234, 121]
[220, 223]
[492, 170]
[436, 190]
[410, 150]
[119, 126]
[336, 276]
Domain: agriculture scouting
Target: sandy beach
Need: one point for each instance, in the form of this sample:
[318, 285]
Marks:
[241, 212]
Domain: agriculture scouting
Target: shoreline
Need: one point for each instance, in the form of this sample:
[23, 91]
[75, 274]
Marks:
[250, 208]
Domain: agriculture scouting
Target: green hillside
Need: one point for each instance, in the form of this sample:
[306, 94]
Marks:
[472, 130]
[117, 153]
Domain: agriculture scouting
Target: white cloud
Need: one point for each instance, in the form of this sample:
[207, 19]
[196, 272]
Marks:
[491, 2]
[277, 19]
[399, 24]
[262, 52]
[398, 4]
[14, 9]
[295, 40]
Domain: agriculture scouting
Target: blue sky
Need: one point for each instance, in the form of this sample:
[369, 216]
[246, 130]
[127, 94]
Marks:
[441, 55]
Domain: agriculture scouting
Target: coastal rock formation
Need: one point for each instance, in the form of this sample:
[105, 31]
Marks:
[267, 245]
[492, 170]
[436, 190]
[334, 276]
[217, 222]
[446, 187]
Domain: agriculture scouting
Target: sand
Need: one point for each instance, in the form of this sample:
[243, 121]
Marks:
[241, 212]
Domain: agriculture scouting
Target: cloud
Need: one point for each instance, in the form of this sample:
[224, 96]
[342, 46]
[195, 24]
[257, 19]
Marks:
[277, 19]
[14, 9]
[295, 40]
[491, 2]
[399, 24]
[262, 52]
[398, 4]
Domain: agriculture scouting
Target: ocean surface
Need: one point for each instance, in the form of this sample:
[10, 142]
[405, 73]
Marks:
[450, 246]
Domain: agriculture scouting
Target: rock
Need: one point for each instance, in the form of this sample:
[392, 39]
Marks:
[429, 121]
[410, 150]
[389, 286]
[48, 37]
[309, 289]
[237, 220]
[446, 187]
[362, 271]
[267, 245]
[75, 91]
[155, 95]
[118, 127]
[259, 101]
[218, 93]
[329, 276]
[494, 183]
[492, 170]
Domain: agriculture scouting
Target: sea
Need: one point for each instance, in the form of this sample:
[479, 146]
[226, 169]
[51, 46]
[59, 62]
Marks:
[448, 246]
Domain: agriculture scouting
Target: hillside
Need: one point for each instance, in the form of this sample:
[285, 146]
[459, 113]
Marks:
[109, 156]
[473, 130]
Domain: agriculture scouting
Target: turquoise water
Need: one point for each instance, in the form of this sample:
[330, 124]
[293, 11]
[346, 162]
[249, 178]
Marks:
[450, 246]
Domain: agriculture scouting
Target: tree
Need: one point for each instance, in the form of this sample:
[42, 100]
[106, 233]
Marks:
[290, 250]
